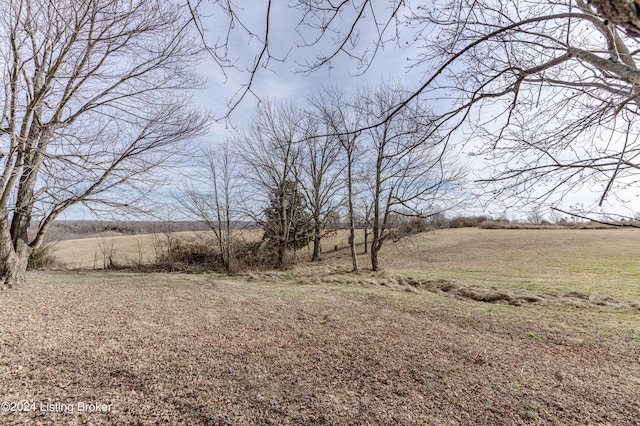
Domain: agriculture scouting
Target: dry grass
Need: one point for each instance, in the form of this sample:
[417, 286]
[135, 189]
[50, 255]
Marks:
[318, 345]
[603, 263]
[88, 253]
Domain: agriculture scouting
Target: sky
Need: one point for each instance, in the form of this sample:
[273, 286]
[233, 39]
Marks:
[283, 78]
[286, 81]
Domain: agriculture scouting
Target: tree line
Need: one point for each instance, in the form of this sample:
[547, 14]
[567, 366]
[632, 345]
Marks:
[294, 169]
[96, 98]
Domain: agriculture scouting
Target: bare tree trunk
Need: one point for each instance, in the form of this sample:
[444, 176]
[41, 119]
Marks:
[281, 253]
[366, 240]
[374, 258]
[283, 233]
[377, 193]
[226, 246]
[15, 254]
[375, 247]
[13, 263]
[13, 269]
[316, 243]
[352, 215]
[9, 276]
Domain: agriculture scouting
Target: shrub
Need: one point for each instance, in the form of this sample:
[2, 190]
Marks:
[413, 226]
[187, 254]
[466, 221]
[42, 257]
[259, 256]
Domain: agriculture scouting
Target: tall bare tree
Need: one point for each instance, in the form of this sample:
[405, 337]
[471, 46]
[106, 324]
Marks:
[321, 169]
[407, 163]
[342, 121]
[364, 204]
[95, 96]
[270, 150]
[211, 196]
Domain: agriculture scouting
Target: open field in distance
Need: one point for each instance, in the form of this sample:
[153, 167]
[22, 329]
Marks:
[602, 262]
[316, 344]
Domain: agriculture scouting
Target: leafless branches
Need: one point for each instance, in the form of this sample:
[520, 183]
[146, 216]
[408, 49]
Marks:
[549, 92]
[95, 98]
[405, 162]
[211, 196]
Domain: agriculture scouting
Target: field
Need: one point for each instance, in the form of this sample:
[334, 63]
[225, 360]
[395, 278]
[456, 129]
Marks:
[462, 327]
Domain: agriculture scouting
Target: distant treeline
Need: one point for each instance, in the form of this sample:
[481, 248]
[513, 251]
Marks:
[75, 229]
[487, 222]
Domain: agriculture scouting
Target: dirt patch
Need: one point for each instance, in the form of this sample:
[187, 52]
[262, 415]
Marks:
[513, 296]
[477, 293]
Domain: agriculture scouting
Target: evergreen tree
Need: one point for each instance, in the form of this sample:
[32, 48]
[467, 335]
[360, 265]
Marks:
[287, 222]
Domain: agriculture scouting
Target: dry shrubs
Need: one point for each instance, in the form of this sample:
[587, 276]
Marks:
[505, 224]
[184, 253]
[187, 255]
[42, 257]
[260, 256]
[202, 254]
[465, 221]
[486, 222]
[413, 226]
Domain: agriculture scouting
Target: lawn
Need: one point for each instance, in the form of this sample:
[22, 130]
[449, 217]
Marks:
[319, 345]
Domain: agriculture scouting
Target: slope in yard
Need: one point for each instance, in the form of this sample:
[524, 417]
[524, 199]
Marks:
[205, 350]
[318, 345]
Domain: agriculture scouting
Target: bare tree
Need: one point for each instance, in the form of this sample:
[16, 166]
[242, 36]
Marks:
[549, 89]
[341, 121]
[270, 151]
[365, 215]
[212, 198]
[321, 169]
[535, 216]
[95, 97]
[409, 168]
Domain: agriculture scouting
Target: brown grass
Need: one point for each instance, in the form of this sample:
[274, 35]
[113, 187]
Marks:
[603, 263]
[318, 345]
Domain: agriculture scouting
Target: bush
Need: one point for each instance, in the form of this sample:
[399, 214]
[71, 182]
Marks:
[201, 254]
[466, 221]
[42, 257]
[491, 224]
[188, 254]
[259, 256]
[414, 226]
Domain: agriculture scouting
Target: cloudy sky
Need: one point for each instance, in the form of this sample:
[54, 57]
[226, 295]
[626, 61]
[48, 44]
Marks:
[286, 79]
[283, 78]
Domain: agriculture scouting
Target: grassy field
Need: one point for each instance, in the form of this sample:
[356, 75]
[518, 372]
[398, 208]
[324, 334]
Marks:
[417, 344]
[90, 253]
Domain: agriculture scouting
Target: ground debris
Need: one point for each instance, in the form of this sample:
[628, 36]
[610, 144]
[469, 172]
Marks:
[168, 349]
[513, 296]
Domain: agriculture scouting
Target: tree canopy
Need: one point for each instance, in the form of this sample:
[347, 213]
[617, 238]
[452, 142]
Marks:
[544, 92]
[96, 95]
